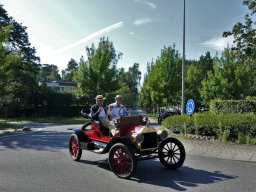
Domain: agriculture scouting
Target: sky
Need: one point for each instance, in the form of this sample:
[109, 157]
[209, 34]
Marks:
[61, 29]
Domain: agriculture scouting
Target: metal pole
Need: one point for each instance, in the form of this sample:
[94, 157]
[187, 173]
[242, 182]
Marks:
[183, 63]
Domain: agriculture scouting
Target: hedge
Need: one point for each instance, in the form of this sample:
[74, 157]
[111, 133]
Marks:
[56, 111]
[233, 106]
[210, 124]
[251, 98]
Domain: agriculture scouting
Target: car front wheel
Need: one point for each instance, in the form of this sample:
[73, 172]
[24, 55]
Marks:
[171, 153]
[122, 161]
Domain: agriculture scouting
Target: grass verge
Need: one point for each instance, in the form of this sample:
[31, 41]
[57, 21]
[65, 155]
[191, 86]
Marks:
[6, 126]
[56, 120]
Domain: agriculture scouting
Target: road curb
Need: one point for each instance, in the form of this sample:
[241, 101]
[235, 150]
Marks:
[213, 149]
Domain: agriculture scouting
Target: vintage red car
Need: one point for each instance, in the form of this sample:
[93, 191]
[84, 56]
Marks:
[135, 142]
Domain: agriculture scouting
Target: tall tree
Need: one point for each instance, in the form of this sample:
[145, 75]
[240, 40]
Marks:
[195, 74]
[19, 64]
[68, 74]
[49, 73]
[98, 75]
[162, 82]
[245, 38]
[131, 78]
[228, 81]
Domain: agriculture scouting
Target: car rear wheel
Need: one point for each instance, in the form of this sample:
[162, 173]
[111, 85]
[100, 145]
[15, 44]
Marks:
[171, 153]
[122, 161]
[74, 148]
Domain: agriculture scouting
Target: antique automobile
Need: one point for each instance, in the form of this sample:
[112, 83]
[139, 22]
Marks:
[167, 113]
[135, 142]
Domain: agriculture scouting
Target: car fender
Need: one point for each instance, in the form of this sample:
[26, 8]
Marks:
[124, 140]
[81, 135]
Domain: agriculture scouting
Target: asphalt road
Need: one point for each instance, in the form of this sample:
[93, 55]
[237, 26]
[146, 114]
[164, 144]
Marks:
[40, 162]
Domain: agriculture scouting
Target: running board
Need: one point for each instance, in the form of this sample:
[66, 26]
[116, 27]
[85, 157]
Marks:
[147, 157]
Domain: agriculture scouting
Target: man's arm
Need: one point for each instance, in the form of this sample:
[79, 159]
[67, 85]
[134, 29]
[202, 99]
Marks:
[94, 112]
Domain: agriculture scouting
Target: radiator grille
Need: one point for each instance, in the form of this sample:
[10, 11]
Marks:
[150, 141]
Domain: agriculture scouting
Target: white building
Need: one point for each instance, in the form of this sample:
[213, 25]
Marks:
[62, 85]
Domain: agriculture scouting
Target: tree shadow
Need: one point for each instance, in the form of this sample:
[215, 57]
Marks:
[41, 140]
[152, 172]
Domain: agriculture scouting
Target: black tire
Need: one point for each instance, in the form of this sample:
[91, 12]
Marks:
[160, 119]
[122, 161]
[171, 153]
[74, 148]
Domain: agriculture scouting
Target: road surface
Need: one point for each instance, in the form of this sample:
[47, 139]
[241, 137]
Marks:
[39, 162]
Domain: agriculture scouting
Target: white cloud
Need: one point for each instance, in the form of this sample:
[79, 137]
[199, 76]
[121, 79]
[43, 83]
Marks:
[150, 4]
[93, 35]
[48, 54]
[142, 21]
[218, 43]
[131, 33]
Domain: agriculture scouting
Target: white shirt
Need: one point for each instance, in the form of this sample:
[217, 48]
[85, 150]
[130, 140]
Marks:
[116, 110]
[102, 114]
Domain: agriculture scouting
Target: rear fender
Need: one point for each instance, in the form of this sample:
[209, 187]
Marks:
[81, 135]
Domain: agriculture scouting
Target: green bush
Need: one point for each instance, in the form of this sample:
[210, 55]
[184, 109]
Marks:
[239, 128]
[233, 106]
[223, 136]
[251, 98]
[206, 123]
[183, 123]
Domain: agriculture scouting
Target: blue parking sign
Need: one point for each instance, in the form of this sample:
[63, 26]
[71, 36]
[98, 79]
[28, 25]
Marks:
[190, 107]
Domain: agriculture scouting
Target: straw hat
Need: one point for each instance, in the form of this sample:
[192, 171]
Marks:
[99, 97]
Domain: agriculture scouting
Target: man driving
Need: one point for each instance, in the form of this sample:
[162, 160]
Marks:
[117, 109]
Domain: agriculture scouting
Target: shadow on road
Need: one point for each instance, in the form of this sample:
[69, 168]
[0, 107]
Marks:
[42, 141]
[152, 172]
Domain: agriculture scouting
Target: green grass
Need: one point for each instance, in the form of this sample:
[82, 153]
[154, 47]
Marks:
[152, 115]
[56, 120]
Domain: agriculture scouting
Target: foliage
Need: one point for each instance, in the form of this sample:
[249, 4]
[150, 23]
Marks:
[130, 97]
[68, 74]
[162, 82]
[56, 120]
[195, 74]
[205, 124]
[233, 106]
[19, 68]
[183, 123]
[227, 127]
[228, 81]
[245, 41]
[49, 73]
[131, 78]
[250, 98]
[98, 75]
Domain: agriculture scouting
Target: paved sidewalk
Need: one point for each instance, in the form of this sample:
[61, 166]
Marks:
[219, 150]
